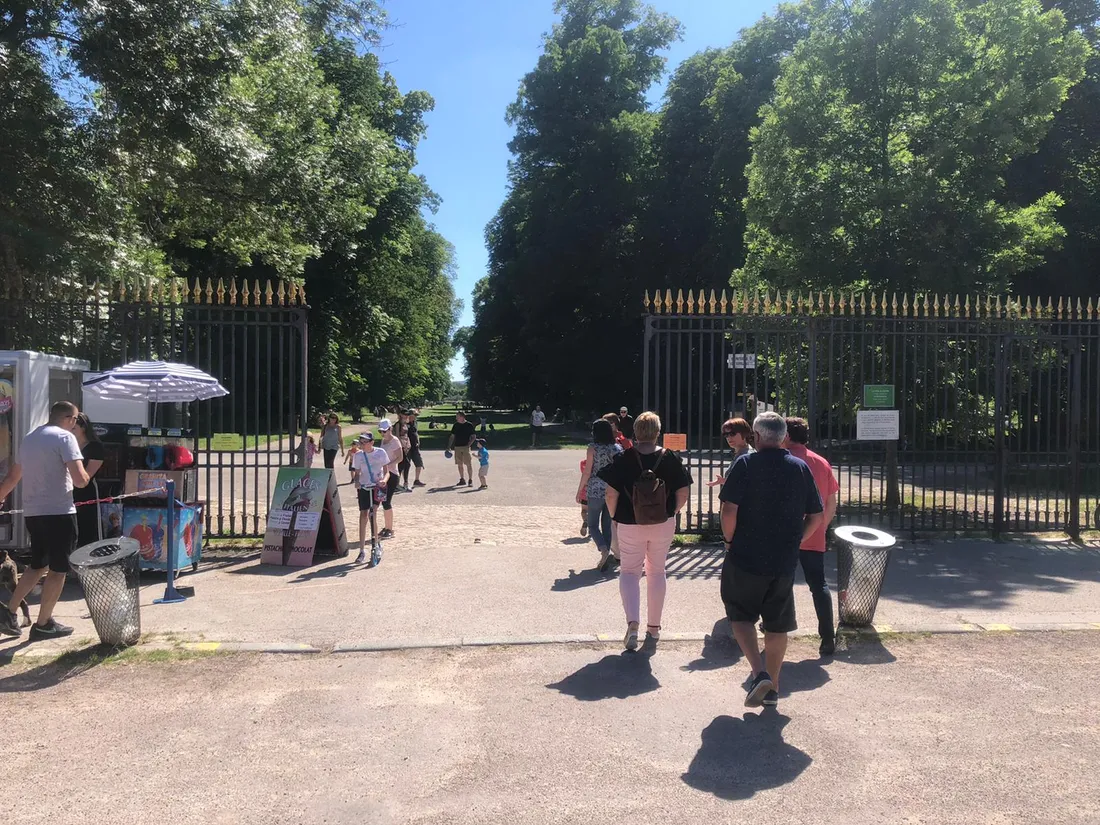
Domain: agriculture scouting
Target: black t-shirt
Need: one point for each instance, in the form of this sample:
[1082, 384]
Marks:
[621, 474]
[463, 432]
[414, 436]
[626, 426]
[774, 492]
[92, 451]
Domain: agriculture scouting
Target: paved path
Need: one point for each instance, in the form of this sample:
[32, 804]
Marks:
[508, 563]
[951, 729]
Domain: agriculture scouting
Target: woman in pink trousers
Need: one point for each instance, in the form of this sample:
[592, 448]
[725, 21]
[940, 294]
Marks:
[646, 487]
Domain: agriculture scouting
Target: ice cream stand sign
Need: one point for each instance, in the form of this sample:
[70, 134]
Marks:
[305, 508]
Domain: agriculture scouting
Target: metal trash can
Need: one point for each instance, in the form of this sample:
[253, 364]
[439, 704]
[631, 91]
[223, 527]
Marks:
[109, 573]
[862, 556]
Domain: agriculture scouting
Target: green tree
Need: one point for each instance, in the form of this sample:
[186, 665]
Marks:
[562, 285]
[881, 160]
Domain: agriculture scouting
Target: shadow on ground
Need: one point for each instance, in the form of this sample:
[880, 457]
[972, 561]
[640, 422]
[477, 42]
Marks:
[65, 667]
[719, 649]
[585, 578]
[739, 757]
[695, 561]
[986, 575]
[612, 677]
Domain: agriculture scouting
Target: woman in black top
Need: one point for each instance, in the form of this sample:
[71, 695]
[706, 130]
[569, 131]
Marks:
[87, 515]
[644, 545]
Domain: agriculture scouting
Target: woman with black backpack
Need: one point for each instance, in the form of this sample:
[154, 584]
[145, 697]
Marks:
[646, 487]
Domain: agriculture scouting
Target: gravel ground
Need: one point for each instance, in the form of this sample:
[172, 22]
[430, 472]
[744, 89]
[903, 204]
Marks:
[947, 729]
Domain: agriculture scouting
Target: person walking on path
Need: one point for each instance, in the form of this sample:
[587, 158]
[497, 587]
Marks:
[812, 551]
[50, 466]
[371, 476]
[414, 456]
[626, 424]
[738, 433]
[770, 506]
[538, 419]
[601, 452]
[332, 440]
[462, 437]
[394, 453]
[646, 488]
[401, 430]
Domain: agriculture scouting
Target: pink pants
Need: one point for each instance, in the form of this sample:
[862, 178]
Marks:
[644, 546]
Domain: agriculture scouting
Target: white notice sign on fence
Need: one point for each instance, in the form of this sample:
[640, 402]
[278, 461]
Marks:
[878, 425]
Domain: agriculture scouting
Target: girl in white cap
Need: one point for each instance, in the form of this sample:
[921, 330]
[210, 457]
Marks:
[394, 451]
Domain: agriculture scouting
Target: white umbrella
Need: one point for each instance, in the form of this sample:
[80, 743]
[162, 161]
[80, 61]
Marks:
[159, 382]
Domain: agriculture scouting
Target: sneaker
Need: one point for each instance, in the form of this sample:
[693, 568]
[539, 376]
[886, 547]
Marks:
[605, 555]
[828, 647]
[50, 630]
[771, 699]
[461, 483]
[9, 623]
[758, 689]
[630, 641]
[385, 534]
[419, 484]
[584, 529]
[362, 557]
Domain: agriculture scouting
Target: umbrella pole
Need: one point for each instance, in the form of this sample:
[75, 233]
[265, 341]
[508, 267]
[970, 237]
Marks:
[171, 595]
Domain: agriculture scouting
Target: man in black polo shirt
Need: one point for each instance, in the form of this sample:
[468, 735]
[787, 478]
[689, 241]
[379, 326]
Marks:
[463, 434]
[770, 504]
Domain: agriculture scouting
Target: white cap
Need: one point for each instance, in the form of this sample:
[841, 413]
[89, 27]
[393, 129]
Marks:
[384, 424]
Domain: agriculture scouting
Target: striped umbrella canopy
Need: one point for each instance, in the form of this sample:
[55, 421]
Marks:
[160, 382]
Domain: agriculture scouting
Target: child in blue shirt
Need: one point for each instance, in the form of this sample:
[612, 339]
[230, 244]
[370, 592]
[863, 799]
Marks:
[483, 460]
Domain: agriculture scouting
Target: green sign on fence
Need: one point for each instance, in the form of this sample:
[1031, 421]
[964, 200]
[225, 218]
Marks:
[878, 395]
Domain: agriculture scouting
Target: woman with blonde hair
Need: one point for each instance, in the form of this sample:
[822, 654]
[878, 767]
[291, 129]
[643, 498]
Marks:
[646, 487]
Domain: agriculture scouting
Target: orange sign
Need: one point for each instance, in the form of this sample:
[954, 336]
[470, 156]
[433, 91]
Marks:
[677, 442]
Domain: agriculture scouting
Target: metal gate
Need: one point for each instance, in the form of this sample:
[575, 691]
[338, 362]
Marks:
[998, 402]
[253, 339]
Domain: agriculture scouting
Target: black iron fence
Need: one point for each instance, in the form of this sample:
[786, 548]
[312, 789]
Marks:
[252, 338]
[936, 414]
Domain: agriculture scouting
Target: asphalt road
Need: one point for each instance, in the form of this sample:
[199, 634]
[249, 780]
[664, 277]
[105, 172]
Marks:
[949, 729]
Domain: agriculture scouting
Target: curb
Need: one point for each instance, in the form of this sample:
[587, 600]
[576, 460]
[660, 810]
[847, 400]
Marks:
[33, 652]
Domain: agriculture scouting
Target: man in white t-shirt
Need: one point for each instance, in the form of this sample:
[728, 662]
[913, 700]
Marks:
[538, 418]
[370, 473]
[49, 466]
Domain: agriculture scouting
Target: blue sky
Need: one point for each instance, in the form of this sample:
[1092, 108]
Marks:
[470, 56]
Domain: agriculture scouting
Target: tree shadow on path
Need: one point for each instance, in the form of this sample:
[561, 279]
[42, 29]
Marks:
[613, 677]
[739, 757]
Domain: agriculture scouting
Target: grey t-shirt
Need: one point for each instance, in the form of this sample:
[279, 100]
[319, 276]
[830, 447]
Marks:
[47, 486]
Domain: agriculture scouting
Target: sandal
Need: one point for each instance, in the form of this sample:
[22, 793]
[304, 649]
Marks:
[630, 641]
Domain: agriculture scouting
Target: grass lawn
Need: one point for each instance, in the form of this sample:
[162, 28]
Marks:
[511, 430]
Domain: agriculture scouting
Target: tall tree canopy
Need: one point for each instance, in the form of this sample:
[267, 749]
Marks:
[562, 275]
[881, 159]
[205, 138]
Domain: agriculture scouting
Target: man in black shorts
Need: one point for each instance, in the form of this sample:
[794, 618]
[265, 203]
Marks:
[770, 505]
[49, 466]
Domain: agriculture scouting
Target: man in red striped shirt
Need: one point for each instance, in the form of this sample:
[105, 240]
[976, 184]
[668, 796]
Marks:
[812, 551]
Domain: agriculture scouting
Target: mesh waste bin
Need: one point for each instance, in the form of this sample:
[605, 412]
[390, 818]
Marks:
[109, 574]
[862, 556]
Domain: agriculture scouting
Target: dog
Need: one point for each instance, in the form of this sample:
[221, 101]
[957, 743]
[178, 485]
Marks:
[9, 576]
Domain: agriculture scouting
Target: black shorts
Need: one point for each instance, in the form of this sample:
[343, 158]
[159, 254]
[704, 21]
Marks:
[366, 499]
[415, 457]
[53, 539]
[391, 487]
[749, 597]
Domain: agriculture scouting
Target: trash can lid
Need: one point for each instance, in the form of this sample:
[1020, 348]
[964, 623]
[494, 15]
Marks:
[865, 537]
[103, 553]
